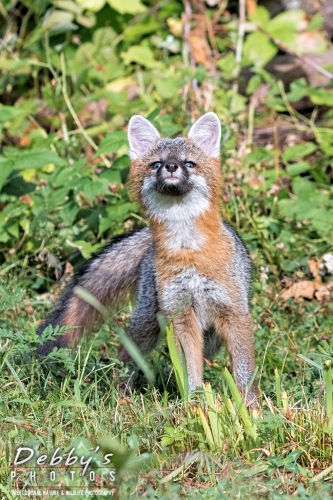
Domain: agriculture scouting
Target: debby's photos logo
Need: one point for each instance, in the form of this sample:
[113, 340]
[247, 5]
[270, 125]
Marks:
[59, 473]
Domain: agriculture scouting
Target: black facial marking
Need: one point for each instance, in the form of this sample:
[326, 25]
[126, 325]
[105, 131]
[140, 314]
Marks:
[182, 187]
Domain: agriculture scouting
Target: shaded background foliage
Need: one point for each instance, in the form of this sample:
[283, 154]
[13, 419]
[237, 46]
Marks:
[74, 72]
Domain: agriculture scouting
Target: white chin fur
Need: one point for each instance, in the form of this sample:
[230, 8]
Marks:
[179, 212]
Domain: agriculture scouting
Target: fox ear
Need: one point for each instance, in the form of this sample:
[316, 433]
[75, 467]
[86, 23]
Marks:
[206, 133]
[141, 136]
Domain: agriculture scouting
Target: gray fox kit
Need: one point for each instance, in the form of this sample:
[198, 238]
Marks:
[189, 265]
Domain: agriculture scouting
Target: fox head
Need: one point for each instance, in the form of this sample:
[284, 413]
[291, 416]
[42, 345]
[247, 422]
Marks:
[173, 171]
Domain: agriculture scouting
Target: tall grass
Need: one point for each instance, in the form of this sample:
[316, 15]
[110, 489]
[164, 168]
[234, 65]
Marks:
[279, 428]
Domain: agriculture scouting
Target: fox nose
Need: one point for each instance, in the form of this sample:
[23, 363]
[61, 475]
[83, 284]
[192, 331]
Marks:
[171, 167]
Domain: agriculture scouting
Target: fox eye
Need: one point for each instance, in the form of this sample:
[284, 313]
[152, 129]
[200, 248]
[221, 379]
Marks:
[157, 164]
[189, 164]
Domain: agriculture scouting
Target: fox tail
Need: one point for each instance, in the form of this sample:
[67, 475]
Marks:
[108, 276]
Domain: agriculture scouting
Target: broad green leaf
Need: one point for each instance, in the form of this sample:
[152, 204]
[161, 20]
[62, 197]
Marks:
[140, 55]
[112, 143]
[254, 84]
[298, 89]
[85, 248]
[93, 5]
[94, 187]
[104, 37]
[293, 456]
[33, 158]
[298, 168]
[5, 169]
[227, 65]
[68, 5]
[121, 211]
[128, 6]
[324, 136]
[260, 16]
[133, 32]
[69, 212]
[304, 189]
[316, 22]
[258, 49]
[291, 20]
[299, 151]
[58, 18]
[257, 469]
[111, 175]
[319, 96]
[8, 113]
[167, 88]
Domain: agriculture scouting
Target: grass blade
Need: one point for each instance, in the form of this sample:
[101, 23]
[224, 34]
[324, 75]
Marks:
[244, 414]
[126, 341]
[181, 375]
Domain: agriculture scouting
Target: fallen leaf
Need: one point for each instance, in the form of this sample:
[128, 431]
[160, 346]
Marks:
[314, 266]
[255, 181]
[30, 310]
[200, 49]
[308, 290]
[25, 140]
[176, 26]
[251, 7]
[25, 198]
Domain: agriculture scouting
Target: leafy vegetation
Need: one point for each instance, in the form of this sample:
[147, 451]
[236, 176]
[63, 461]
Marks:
[72, 74]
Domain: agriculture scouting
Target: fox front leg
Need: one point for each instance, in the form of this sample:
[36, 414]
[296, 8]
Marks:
[188, 335]
[236, 329]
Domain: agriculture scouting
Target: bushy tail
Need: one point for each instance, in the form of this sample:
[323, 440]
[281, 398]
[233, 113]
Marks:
[108, 276]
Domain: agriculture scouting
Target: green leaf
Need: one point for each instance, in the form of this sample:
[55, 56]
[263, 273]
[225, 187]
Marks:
[133, 32]
[104, 37]
[112, 143]
[121, 211]
[34, 158]
[260, 16]
[299, 151]
[58, 21]
[324, 136]
[290, 20]
[127, 7]
[111, 175]
[8, 113]
[293, 456]
[254, 84]
[227, 65]
[298, 89]
[94, 187]
[68, 5]
[69, 212]
[85, 248]
[257, 469]
[258, 49]
[140, 55]
[167, 88]
[6, 168]
[298, 168]
[93, 5]
[321, 96]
